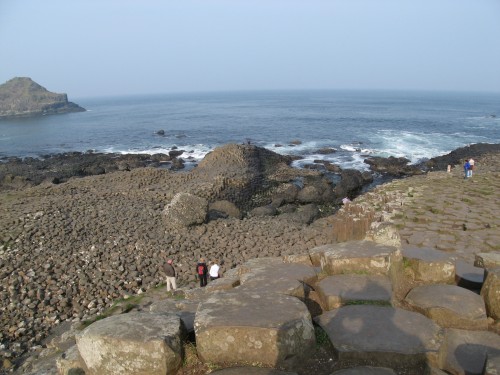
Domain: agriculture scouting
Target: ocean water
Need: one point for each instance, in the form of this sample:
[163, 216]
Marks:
[416, 125]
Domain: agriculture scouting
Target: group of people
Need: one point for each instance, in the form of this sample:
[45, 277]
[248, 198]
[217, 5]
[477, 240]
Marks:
[203, 272]
[468, 167]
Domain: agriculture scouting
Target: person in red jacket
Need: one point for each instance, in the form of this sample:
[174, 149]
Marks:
[202, 271]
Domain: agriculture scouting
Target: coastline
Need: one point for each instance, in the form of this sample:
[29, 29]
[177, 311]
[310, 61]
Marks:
[135, 199]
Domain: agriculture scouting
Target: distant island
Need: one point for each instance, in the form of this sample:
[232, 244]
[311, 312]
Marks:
[23, 97]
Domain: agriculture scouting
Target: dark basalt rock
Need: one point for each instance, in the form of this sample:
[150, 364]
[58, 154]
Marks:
[22, 97]
[459, 155]
[392, 166]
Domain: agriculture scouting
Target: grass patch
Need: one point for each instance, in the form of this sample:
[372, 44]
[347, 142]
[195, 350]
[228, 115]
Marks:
[122, 305]
[435, 211]
[406, 263]
[466, 200]
[322, 338]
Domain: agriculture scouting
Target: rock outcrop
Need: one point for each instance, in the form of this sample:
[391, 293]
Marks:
[22, 97]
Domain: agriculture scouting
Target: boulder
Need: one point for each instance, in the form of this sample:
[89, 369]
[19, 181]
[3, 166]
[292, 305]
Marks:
[133, 343]
[309, 194]
[350, 183]
[449, 306]
[70, 362]
[240, 327]
[339, 290]
[465, 352]
[397, 338]
[428, 265]
[491, 293]
[186, 210]
[225, 207]
[268, 210]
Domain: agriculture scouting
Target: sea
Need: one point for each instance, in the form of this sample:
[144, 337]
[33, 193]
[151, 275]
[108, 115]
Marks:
[356, 124]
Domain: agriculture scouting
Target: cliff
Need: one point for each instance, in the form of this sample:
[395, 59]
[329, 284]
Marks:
[22, 97]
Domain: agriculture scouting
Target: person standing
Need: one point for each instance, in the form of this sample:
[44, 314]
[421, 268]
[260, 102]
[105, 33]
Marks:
[214, 271]
[471, 164]
[466, 168]
[170, 272]
[202, 271]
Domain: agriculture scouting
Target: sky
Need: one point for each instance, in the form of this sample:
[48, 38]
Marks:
[92, 48]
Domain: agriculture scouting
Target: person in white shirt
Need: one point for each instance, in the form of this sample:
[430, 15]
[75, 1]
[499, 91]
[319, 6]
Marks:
[214, 271]
[471, 163]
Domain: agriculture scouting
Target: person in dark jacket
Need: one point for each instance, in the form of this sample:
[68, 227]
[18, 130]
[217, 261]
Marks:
[202, 271]
[169, 270]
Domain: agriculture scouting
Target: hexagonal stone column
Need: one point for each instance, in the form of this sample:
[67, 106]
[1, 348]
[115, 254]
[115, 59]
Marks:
[242, 327]
[382, 336]
[358, 256]
[491, 293]
[449, 305]
[429, 265]
[134, 343]
[466, 352]
[338, 290]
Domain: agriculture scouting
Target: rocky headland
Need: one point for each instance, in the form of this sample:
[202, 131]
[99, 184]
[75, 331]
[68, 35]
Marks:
[70, 250]
[22, 97]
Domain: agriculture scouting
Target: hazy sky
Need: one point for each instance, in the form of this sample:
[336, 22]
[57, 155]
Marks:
[121, 47]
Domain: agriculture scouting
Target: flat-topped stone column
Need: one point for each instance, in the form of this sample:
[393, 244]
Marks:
[338, 290]
[133, 343]
[382, 336]
[242, 327]
[428, 265]
[359, 256]
[449, 306]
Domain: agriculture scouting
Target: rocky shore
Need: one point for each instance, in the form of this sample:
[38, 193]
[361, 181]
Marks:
[69, 249]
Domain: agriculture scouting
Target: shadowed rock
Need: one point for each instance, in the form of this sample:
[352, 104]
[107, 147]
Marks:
[468, 276]
[465, 352]
[339, 290]
[184, 309]
[239, 327]
[397, 338]
[70, 361]
[449, 306]
[134, 343]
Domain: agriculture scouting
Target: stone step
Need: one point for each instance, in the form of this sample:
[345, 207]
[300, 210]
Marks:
[359, 256]
[382, 336]
[487, 260]
[241, 327]
[428, 265]
[465, 352]
[449, 306]
[338, 290]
